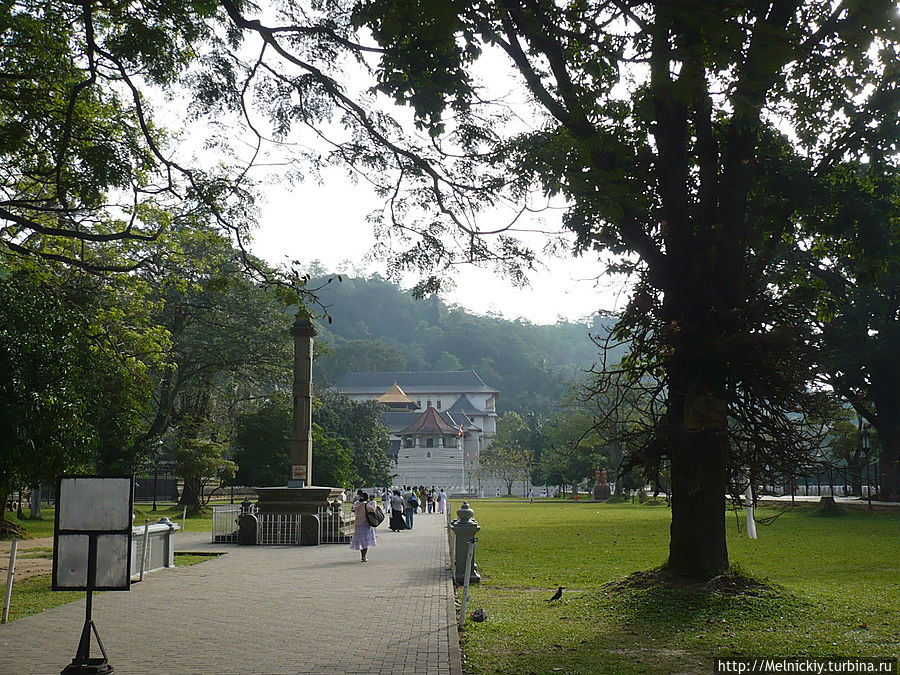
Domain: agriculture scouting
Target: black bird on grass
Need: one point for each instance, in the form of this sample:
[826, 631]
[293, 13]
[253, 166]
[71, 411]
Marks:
[557, 595]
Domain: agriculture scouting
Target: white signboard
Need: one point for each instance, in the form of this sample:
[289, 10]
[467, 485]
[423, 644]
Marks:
[92, 541]
[92, 504]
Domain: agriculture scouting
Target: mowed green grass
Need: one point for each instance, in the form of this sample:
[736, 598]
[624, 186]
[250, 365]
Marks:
[833, 590]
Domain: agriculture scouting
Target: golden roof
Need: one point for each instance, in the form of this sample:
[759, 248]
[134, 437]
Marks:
[394, 395]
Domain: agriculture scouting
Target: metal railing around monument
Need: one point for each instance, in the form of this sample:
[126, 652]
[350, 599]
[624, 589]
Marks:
[283, 529]
[336, 523]
[278, 529]
[224, 523]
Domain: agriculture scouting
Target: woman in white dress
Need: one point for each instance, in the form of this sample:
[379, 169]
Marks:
[442, 501]
[363, 534]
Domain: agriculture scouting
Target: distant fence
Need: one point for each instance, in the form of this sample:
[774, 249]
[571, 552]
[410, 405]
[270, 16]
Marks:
[840, 481]
[163, 486]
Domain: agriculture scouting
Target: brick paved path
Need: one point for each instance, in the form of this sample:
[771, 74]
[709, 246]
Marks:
[267, 610]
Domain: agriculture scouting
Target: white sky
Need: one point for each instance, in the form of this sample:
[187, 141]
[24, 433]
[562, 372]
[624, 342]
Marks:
[328, 223]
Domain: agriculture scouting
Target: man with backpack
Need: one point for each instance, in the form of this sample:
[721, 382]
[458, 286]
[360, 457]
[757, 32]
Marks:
[410, 502]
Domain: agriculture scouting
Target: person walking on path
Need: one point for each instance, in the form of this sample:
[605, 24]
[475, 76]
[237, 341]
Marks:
[442, 501]
[531, 496]
[363, 534]
[423, 499]
[431, 498]
[409, 504]
[397, 522]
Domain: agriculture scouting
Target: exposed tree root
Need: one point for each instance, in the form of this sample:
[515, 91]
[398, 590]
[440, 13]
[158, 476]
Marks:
[730, 583]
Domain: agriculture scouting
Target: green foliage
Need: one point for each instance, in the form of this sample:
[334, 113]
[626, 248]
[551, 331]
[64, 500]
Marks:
[427, 62]
[508, 456]
[677, 167]
[203, 459]
[358, 426]
[849, 280]
[349, 443]
[357, 356]
[262, 444]
[71, 387]
[229, 337]
[333, 460]
[574, 450]
[378, 327]
[78, 139]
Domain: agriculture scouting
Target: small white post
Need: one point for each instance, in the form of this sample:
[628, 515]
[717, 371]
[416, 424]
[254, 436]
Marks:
[751, 522]
[183, 518]
[144, 550]
[465, 598]
[9, 579]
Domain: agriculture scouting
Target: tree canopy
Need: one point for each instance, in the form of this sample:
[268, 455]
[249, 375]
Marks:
[71, 388]
[668, 127]
[708, 148]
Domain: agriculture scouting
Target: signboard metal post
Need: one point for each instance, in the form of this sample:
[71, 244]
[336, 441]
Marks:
[92, 551]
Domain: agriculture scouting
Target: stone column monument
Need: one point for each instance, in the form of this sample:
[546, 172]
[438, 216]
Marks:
[301, 439]
[300, 496]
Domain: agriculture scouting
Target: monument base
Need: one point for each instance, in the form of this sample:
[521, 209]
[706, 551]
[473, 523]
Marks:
[601, 492]
[305, 501]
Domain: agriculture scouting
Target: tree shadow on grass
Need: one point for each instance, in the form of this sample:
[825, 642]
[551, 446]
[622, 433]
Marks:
[655, 599]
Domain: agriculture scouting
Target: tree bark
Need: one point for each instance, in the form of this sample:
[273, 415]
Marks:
[889, 463]
[887, 422]
[696, 422]
[190, 495]
[697, 545]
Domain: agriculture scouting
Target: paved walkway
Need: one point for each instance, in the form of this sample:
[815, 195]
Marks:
[269, 610]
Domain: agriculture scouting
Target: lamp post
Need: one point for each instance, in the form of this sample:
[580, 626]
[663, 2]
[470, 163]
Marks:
[155, 471]
[865, 444]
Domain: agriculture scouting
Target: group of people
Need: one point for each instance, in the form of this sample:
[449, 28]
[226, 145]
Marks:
[406, 502]
[402, 504]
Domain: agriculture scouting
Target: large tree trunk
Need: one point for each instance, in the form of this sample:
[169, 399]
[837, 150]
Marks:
[886, 397]
[699, 451]
[697, 546]
[190, 495]
[889, 463]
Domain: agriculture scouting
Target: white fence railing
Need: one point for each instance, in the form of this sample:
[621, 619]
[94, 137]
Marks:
[224, 523]
[336, 523]
[278, 529]
[282, 529]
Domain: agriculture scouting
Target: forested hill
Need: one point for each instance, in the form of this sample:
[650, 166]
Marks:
[376, 326]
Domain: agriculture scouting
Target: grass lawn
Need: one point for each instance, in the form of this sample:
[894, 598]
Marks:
[43, 527]
[833, 590]
[33, 595]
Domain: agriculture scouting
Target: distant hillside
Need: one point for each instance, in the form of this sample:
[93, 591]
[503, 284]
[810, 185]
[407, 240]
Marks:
[379, 327]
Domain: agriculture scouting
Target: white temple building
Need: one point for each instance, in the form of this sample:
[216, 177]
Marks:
[439, 422]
